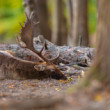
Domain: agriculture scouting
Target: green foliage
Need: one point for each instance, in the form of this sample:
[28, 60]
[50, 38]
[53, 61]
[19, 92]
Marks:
[92, 16]
[11, 13]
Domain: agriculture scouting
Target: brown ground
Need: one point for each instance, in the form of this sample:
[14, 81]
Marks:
[19, 90]
[28, 89]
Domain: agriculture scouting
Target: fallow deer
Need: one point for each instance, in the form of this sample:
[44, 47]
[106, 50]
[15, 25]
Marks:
[16, 68]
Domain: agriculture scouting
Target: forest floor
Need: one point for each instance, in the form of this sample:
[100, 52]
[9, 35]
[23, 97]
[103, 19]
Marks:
[28, 89]
[87, 99]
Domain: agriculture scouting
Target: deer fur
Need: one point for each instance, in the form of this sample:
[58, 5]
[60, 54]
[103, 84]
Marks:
[12, 67]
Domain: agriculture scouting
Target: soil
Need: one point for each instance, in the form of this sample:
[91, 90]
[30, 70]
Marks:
[28, 89]
[65, 98]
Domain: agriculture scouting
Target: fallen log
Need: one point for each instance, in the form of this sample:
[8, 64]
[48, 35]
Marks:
[67, 54]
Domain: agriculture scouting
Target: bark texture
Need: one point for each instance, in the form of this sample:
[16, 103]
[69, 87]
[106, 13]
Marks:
[80, 22]
[59, 33]
[39, 7]
[101, 67]
[69, 5]
[44, 18]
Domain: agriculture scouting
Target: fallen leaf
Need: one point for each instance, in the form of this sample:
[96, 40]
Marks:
[2, 95]
[27, 82]
[69, 79]
[32, 85]
[25, 85]
[63, 81]
[78, 77]
[98, 98]
[82, 73]
[60, 80]
[57, 89]
[11, 86]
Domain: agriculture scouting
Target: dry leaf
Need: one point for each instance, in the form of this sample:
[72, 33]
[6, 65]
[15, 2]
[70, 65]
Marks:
[78, 77]
[82, 73]
[69, 79]
[98, 98]
[57, 89]
[60, 80]
[11, 86]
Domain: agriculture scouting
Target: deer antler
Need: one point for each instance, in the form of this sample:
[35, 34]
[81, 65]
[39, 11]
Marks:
[27, 39]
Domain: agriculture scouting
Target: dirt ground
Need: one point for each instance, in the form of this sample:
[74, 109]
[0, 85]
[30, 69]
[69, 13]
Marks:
[19, 90]
[28, 89]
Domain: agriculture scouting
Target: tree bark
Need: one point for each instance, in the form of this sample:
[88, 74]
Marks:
[59, 33]
[44, 18]
[39, 7]
[101, 67]
[69, 6]
[80, 22]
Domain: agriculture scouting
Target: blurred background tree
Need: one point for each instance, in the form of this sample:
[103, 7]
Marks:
[80, 23]
[56, 20]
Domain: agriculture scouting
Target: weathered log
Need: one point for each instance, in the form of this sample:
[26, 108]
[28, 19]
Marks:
[67, 54]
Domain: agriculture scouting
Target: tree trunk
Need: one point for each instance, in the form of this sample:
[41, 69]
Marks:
[101, 67]
[59, 34]
[69, 5]
[39, 7]
[44, 18]
[80, 20]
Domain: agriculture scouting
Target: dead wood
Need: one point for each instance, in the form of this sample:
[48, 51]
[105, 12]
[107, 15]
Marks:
[68, 55]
